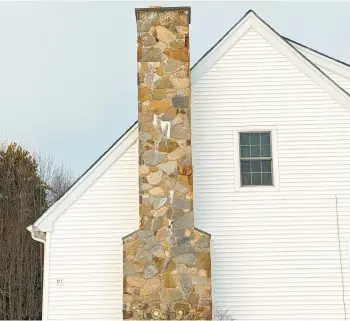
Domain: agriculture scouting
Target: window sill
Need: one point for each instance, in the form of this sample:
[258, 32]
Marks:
[249, 189]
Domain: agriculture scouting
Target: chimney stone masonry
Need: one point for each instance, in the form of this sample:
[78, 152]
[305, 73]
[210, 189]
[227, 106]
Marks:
[167, 266]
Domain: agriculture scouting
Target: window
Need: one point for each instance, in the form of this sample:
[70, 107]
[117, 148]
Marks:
[255, 158]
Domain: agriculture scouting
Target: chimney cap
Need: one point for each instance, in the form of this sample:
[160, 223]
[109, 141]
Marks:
[160, 8]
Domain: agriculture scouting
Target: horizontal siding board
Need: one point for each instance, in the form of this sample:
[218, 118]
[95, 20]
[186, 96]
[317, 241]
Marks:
[86, 246]
[276, 253]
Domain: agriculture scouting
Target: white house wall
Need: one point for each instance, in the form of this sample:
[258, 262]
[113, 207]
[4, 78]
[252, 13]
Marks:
[86, 246]
[275, 252]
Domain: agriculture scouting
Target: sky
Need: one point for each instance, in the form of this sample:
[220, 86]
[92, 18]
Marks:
[68, 69]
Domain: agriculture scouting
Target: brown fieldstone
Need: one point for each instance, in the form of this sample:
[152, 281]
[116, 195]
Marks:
[150, 286]
[135, 281]
[172, 65]
[168, 146]
[159, 94]
[171, 295]
[203, 261]
[160, 71]
[159, 106]
[152, 157]
[179, 82]
[163, 233]
[148, 40]
[160, 259]
[161, 212]
[168, 280]
[143, 93]
[156, 191]
[179, 54]
[164, 34]
[163, 83]
[177, 44]
[151, 54]
[184, 258]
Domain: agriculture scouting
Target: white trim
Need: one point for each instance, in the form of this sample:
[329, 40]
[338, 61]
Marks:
[323, 61]
[274, 154]
[45, 222]
[46, 277]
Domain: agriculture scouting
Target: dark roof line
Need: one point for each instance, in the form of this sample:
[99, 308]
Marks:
[298, 52]
[318, 52]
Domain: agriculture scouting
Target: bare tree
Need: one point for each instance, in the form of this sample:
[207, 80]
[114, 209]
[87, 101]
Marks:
[25, 193]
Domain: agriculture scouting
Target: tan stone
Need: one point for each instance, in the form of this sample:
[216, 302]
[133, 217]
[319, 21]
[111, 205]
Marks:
[142, 67]
[162, 211]
[160, 71]
[145, 187]
[155, 178]
[168, 146]
[159, 106]
[164, 34]
[179, 54]
[143, 170]
[168, 280]
[135, 281]
[163, 83]
[159, 94]
[162, 233]
[143, 93]
[150, 286]
[156, 191]
[171, 295]
[179, 83]
[176, 154]
[185, 179]
[182, 29]
[177, 44]
[203, 261]
[185, 169]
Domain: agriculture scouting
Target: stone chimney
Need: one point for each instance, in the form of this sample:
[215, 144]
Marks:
[167, 267]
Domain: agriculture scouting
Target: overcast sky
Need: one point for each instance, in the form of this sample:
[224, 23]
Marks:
[68, 70]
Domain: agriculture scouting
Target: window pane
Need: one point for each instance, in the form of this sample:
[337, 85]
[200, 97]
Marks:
[246, 179]
[265, 151]
[265, 138]
[245, 166]
[255, 139]
[256, 166]
[245, 151]
[266, 166]
[244, 140]
[267, 179]
[256, 179]
[255, 151]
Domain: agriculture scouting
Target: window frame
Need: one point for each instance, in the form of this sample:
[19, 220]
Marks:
[274, 158]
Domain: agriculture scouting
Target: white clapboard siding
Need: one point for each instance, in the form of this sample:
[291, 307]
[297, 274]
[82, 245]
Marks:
[86, 246]
[275, 252]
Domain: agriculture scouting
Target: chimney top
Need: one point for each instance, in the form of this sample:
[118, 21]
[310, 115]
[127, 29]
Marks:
[160, 8]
